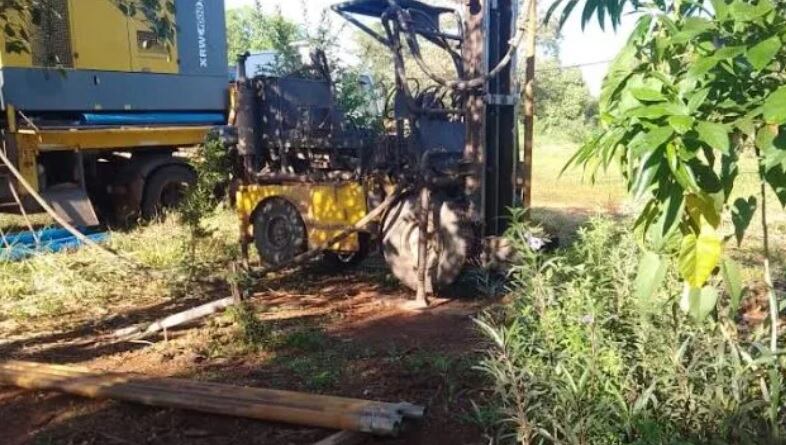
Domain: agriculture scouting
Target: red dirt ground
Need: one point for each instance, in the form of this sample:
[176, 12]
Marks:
[368, 346]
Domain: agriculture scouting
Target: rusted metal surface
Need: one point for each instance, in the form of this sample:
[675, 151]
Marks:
[529, 104]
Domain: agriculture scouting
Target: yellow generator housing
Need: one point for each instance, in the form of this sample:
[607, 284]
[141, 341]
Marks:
[321, 210]
[89, 55]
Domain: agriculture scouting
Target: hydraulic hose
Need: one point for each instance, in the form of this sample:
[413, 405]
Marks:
[404, 18]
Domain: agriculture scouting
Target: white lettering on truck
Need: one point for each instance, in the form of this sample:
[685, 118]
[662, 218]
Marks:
[201, 22]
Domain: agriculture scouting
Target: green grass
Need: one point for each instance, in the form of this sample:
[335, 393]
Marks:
[572, 189]
[54, 291]
[562, 203]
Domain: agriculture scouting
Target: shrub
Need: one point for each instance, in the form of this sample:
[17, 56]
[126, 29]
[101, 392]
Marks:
[577, 359]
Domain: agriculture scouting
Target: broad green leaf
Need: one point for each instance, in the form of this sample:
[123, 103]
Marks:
[774, 109]
[699, 255]
[732, 278]
[647, 94]
[702, 66]
[658, 110]
[743, 11]
[647, 173]
[704, 208]
[721, 9]
[715, 135]
[746, 126]
[650, 140]
[741, 216]
[699, 302]
[772, 145]
[761, 54]
[681, 124]
[697, 99]
[692, 27]
[729, 52]
[652, 272]
[776, 178]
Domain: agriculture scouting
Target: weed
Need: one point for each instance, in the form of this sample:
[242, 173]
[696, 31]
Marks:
[576, 359]
[305, 339]
[318, 372]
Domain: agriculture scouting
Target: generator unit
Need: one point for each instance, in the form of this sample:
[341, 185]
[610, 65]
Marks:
[97, 108]
[87, 55]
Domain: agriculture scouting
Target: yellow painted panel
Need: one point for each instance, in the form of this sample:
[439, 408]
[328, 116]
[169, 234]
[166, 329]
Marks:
[10, 59]
[27, 155]
[116, 138]
[147, 53]
[327, 209]
[99, 32]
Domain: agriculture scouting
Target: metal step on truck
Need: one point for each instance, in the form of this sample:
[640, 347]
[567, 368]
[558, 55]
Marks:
[97, 112]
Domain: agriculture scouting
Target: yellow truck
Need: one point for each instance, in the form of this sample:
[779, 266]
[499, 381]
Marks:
[97, 109]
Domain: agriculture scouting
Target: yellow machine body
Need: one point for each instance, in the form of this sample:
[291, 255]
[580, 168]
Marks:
[326, 209]
[101, 38]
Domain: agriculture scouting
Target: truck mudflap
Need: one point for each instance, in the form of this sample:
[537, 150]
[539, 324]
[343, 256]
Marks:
[70, 201]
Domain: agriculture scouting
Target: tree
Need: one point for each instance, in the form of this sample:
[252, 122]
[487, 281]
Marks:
[250, 29]
[563, 104]
[692, 93]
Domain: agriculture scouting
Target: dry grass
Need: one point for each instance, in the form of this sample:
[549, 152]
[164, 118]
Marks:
[53, 291]
[563, 203]
[551, 189]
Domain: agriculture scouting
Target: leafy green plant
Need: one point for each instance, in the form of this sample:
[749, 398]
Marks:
[575, 360]
[692, 93]
[213, 168]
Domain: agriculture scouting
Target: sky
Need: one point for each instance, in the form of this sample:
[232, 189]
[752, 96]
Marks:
[577, 48]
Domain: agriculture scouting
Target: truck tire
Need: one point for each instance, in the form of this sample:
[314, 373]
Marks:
[451, 238]
[165, 188]
[279, 231]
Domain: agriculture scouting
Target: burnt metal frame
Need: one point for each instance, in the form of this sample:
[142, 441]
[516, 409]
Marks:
[492, 143]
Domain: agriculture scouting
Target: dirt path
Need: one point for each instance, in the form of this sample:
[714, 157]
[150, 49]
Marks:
[342, 335]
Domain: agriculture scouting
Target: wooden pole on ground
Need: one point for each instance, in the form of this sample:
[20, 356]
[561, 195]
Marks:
[336, 413]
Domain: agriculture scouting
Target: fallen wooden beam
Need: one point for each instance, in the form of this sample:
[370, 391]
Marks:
[142, 331]
[337, 413]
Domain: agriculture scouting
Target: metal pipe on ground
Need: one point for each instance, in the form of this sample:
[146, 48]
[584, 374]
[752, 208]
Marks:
[256, 403]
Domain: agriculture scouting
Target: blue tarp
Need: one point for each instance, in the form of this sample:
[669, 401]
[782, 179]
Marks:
[23, 244]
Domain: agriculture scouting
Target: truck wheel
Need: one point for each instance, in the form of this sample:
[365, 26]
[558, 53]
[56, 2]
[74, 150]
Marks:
[165, 189]
[279, 231]
[451, 237]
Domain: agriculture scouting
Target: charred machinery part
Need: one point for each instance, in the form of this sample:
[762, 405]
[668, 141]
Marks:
[484, 103]
[279, 231]
[303, 129]
[247, 122]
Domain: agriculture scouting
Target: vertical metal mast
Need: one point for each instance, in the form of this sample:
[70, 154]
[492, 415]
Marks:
[492, 114]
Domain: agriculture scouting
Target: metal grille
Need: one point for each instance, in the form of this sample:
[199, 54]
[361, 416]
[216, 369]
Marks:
[51, 39]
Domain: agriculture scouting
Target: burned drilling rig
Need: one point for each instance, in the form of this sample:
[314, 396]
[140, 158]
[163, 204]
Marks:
[446, 171]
